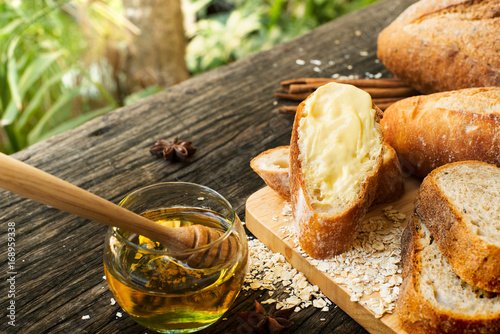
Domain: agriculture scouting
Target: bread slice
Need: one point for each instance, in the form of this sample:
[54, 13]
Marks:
[443, 45]
[432, 130]
[460, 204]
[433, 299]
[273, 167]
[336, 153]
[390, 186]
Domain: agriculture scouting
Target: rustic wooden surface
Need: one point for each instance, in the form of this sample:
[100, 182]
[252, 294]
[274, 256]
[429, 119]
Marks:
[229, 114]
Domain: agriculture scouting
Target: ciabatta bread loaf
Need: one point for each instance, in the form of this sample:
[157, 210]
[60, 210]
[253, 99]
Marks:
[442, 45]
[460, 204]
[432, 130]
[273, 167]
[336, 152]
[433, 299]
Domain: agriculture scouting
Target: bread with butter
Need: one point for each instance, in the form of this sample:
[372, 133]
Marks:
[336, 153]
[273, 167]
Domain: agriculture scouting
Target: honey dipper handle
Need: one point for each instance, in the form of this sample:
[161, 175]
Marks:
[30, 182]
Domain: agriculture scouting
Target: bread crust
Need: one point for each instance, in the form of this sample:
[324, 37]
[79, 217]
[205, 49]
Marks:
[432, 130]
[277, 179]
[442, 45]
[474, 260]
[390, 184]
[324, 235]
[417, 314]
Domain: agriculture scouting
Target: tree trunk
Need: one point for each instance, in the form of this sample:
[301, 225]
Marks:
[156, 56]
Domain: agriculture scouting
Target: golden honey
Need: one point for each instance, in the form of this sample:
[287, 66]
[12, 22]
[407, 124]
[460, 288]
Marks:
[160, 291]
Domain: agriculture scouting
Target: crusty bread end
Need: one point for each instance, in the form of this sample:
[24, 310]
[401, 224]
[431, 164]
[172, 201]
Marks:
[273, 167]
[433, 299]
[460, 204]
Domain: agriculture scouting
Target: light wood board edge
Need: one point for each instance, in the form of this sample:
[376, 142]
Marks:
[264, 220]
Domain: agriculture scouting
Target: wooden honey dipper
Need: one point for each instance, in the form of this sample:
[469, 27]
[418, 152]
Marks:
[30, 182]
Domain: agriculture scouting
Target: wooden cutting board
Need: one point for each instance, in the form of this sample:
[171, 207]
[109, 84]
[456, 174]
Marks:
[265, 221]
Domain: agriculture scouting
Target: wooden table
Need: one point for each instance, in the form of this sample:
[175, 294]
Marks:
[229, 114]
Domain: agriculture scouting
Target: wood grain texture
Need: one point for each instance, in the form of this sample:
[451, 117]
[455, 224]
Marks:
[229, 114]
[264, 220]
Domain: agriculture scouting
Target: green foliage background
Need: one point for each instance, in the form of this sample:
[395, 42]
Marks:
[53, 77]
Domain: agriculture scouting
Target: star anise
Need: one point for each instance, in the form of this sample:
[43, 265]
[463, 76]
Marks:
[175, 150]
[262, 322]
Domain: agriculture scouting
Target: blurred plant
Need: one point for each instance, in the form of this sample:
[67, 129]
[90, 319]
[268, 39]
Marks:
[47, 85]
[225, 30]
[61, 61]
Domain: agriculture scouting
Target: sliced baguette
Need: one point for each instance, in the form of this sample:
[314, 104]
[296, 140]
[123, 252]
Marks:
[390, 186]
[432, 130]
[460, 204]
[433, 299]
[273, 167]
[336, 153]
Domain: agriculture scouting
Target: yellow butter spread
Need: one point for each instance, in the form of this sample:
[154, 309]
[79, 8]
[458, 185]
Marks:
[337, 137]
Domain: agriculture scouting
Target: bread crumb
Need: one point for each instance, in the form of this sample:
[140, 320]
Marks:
[85, 317]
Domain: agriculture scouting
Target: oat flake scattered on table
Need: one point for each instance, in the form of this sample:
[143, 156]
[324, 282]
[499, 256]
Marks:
[372, 264]
[267, 269]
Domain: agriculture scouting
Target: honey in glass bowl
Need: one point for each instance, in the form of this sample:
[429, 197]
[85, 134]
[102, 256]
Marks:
[154, 285]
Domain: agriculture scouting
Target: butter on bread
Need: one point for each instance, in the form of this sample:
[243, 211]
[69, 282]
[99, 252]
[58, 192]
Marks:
[442, 45]
[336, 153]
[273, 167]
[429, 131]
[460, 204]
[433, 299]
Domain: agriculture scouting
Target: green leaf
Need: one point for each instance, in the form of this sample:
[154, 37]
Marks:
[275, 12]
[15, 95]
[73, 123]
[36, 101]
[36, 133]
[19, 87]
[36, 68]
[9, 28]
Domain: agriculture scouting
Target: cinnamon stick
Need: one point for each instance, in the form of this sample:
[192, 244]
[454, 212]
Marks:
[390, 92]
[300, 89]
[314, 83]
[384, 91]
[293, 97]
